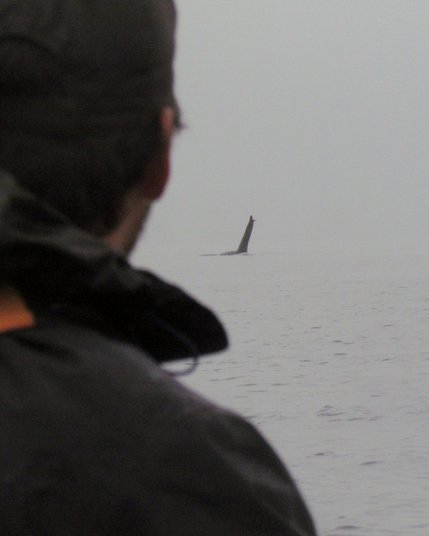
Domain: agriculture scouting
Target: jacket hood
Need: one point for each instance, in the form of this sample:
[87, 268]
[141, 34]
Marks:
[58, 266]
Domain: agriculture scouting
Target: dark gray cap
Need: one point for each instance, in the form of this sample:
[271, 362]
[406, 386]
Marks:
[109, 55]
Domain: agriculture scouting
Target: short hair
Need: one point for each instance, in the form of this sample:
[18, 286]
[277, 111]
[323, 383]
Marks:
[84, 173]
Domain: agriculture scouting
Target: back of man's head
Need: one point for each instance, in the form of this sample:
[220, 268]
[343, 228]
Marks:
[82, 85]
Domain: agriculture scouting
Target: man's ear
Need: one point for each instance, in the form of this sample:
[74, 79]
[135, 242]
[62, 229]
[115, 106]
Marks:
[157, 170]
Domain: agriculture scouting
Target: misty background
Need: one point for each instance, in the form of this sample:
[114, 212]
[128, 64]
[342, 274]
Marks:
[313, 117]
[309, 115]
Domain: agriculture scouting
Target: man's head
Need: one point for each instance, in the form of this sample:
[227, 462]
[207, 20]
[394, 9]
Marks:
[86, 102]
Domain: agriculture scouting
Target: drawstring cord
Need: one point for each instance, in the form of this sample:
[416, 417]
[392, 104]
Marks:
[186, 341]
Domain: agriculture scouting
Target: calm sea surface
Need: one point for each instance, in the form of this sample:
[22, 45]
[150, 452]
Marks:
[330, 359]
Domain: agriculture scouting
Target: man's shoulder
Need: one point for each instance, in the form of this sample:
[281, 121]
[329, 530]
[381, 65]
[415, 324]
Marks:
[114, 417]
[99, 365]
[102, 390]
[82, 370]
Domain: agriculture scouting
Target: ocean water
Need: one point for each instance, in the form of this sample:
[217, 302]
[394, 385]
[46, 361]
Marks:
[329, 358]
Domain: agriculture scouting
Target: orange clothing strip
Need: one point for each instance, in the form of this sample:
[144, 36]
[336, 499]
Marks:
[14, 313]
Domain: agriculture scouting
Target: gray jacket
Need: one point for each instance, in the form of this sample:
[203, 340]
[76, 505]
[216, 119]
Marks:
[96, 439]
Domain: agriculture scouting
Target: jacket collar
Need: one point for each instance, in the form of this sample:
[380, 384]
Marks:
[59, 266]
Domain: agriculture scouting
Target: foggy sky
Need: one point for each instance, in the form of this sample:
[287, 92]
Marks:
[310, 115]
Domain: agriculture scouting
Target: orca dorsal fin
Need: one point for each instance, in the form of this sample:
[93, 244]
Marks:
[242, 248]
